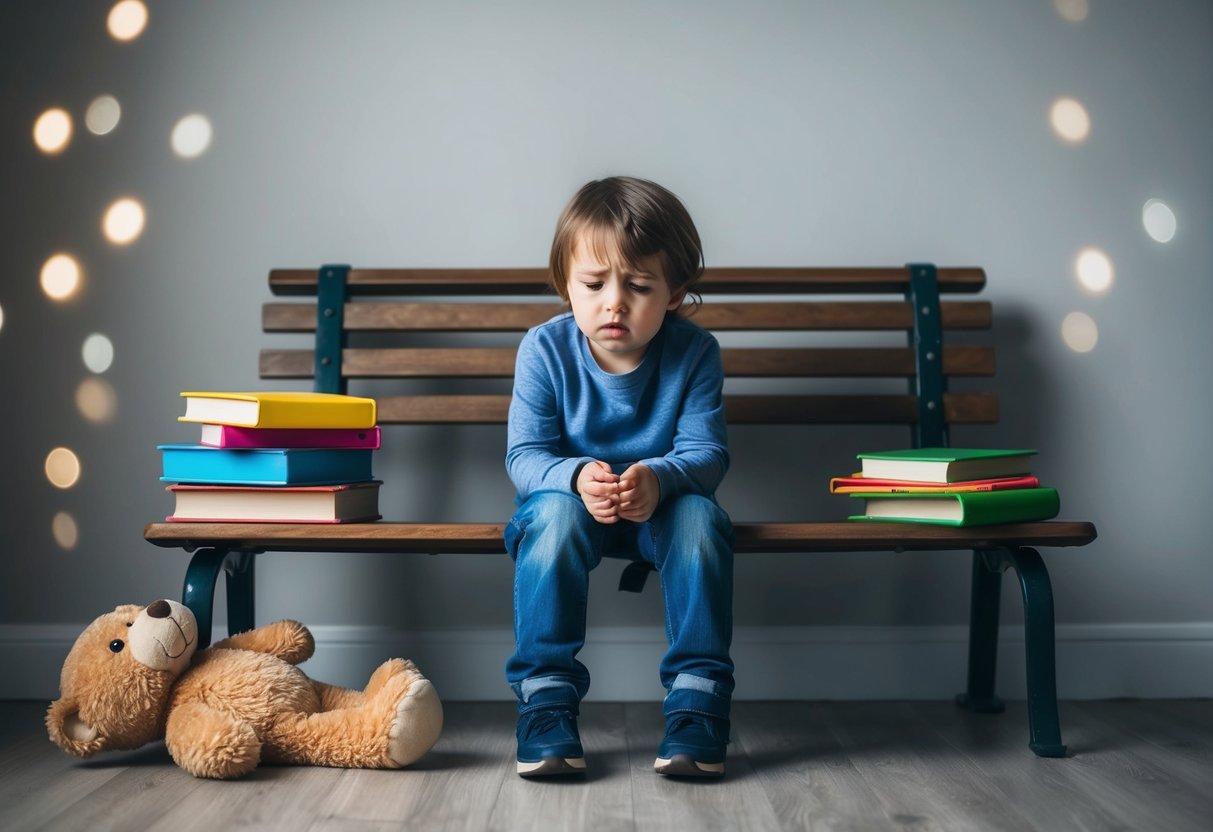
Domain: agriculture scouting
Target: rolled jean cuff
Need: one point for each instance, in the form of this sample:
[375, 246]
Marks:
[546, 692]
[695, 694]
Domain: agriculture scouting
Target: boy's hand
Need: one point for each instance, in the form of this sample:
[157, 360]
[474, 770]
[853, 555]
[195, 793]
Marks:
[639, 492]
[599, 490]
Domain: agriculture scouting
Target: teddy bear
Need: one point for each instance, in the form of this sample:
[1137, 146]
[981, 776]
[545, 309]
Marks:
[133, 676]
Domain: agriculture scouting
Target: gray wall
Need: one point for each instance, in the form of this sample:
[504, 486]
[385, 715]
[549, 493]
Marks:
[427, 134]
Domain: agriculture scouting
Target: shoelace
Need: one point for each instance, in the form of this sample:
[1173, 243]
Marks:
[539, 722]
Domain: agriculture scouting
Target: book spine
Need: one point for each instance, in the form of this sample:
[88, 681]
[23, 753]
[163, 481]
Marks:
[230, 436]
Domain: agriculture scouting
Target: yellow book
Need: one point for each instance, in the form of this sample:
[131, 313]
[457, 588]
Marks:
[279, 410]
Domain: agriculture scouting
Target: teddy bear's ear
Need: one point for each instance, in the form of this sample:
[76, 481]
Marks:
[68, 731]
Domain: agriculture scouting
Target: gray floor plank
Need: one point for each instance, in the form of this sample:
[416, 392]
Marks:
[792, 765]
[915, 774]
[807, 776]
[1043, 790]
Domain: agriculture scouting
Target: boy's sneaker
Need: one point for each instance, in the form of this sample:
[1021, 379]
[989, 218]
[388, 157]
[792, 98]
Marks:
[548, 743]
[694, 746]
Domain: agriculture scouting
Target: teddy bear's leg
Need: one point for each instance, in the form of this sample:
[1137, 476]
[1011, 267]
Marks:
[209, 743]
[333, 698]
[392, 728]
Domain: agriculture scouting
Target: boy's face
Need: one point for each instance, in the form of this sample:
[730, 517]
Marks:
[618, 307]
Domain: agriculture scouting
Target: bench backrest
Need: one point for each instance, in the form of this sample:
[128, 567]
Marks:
[861, 325]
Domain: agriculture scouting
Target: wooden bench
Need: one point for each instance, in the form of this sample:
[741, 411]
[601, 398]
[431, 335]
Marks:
[344, 307]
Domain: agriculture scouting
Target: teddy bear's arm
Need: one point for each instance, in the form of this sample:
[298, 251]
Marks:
[288, 640]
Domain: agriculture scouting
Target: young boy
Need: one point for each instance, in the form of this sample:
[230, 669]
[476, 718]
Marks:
[617, 443]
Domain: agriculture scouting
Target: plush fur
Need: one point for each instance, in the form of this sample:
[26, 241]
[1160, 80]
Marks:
[133, 677]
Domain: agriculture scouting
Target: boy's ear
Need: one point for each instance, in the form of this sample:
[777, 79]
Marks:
[676, 299]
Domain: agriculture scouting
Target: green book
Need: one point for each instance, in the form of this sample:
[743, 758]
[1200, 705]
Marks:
[946, 464]
[964, 508]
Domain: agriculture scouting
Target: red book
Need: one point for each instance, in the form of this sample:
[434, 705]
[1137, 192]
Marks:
[232, 436]
[861, 485]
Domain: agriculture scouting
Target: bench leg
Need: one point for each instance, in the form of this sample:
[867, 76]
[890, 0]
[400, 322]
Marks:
[241, 586]
[1044, 728]
[199, 591]
[984, 599]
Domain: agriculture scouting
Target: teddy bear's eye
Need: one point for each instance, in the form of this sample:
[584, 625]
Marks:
[117, 644]
[128, 623]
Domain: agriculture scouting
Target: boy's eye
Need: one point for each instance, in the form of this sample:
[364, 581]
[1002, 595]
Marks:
[640, 288]
[593, 287]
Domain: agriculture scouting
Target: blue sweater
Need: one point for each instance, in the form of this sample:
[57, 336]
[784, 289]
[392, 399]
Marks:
[667, 413]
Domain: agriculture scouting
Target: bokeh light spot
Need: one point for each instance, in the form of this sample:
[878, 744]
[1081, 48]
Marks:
[1094, 270]
[1159, 220]
[63, 527]
[53, 131]
[62, 468]
[102, 115]
[98, 352]
[1, 318]
[191, 136]
[123, 221]
[60, 277]
[126, 20]
[1075, 11]
[96, 400]
[1070, 120]
[1079, 332]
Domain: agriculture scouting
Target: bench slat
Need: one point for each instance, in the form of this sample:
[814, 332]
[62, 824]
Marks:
[959, 408]
[486, 538]
[518, 317]
[762, 280]
[498, 362]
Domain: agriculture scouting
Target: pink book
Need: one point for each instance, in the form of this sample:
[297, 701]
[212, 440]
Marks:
[231, 436]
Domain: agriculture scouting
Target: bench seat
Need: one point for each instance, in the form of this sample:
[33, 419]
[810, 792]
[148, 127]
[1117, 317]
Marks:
[486, 538]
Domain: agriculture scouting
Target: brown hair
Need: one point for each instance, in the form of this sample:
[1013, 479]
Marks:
[639, 216]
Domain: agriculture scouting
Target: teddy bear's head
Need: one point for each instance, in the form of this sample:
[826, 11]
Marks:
[115, 683]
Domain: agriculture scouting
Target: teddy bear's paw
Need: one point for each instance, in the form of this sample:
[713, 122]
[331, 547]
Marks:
[384, 674]
[417, 723]
[210, 744]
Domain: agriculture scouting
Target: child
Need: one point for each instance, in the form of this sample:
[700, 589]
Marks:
[617, 442]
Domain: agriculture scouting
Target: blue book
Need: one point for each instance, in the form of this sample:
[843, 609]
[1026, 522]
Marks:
[265, 466]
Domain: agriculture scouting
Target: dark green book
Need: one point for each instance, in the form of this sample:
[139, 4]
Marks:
[946, 464]
[965, 508]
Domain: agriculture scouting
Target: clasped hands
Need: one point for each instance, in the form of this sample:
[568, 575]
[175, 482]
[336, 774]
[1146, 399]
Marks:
[609, 497]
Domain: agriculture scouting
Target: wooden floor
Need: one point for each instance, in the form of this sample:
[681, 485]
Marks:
[1133, 765]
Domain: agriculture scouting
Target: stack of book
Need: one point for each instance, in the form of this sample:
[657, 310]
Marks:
[275, 458]
[949, 486]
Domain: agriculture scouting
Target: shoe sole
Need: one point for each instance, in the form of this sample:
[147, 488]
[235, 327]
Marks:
[684, 765]
[552, 767]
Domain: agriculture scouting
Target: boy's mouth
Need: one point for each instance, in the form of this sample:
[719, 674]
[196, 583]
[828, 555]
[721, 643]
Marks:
[613, 328]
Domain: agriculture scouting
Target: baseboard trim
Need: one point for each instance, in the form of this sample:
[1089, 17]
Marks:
[1094, 661]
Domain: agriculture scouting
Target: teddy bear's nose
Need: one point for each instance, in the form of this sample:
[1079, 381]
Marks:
[159, 609]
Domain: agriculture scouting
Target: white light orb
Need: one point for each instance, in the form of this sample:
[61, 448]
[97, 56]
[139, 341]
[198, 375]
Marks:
[60, 277]
[127, 20]
[191, 136]
[1159, 220]
[53, 131]
[1094, 270]
[1070, 120]
[1079, 332]
[98, 352]
[1, 318]
[102, 115]
[62, 468]
[123, 221]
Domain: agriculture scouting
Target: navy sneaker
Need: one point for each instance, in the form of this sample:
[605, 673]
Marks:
[548, 743]
[694, 746]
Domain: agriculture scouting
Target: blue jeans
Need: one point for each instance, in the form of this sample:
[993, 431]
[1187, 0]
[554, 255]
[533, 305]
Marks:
[555, 543]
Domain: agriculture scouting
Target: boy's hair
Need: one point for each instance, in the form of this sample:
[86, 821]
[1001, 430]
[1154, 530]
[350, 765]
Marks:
[640, 217]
